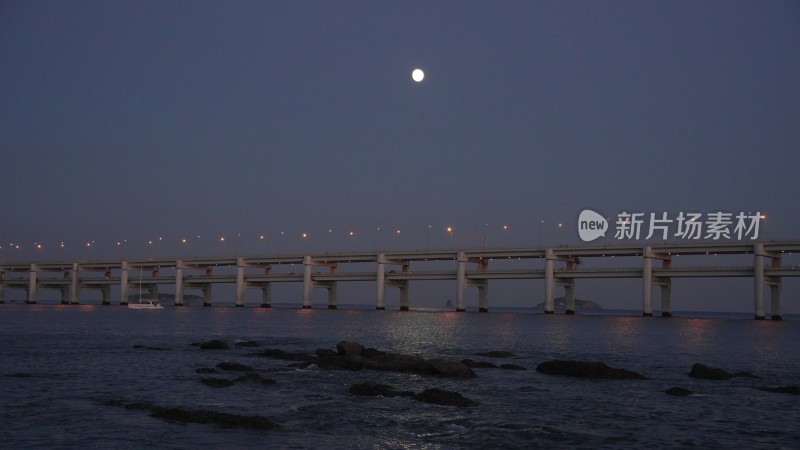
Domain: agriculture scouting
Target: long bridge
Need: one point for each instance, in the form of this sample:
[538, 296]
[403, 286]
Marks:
[561, 267]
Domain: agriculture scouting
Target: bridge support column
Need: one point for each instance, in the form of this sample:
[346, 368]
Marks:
[405, 304]
[106, 292]
[647, 278]
[483, 296]
[569, 296]
[380, 302]
[266, 290]
[206, 294]
[123, 283]
[32, 284]
[461, 280]
[666, 297]
[762, 259]
[308, 282]
[240, 283]
[331, 295]
[180, 285]
[266, 296]
[549, 281]
[74, 289]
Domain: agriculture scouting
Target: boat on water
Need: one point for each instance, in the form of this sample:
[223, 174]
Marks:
[145, 304]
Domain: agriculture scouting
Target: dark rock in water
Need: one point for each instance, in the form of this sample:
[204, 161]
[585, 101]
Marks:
[679, 392]
[214, 344]
[325, 353]
[226, 420]
[497, 354]
[254, 378]
[246, 344]
[372, 353]
[234, 367]
[512, 367]
[443, 397]
[709, 373]
[448, 368]
[206, 370]
[145, 347]
[217, 382]
[372, 389]
[345, 348]
[713, 373]
[478, 364]
[586, 369]
[794, 390]
[287, 356]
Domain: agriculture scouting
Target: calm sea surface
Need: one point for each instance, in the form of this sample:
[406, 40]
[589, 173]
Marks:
[60, 366]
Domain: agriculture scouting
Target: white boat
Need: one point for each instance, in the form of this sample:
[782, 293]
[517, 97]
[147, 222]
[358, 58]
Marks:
[145, 304]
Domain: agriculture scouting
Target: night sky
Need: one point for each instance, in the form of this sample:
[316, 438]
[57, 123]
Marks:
[123, 123]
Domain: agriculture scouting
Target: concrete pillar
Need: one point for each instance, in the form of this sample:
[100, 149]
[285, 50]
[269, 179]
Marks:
[666, 297]
[549, 281]
[32, 284]
[759, 280]
[266, 296]
[569, 296]
[775, 292]
[461, 280]
[647, 278]
[106, 292]
[207, 294]
[240, 283]
[405, 305]
[332, 295]
[180, 285]
[483, 296]
[74, 291]
[308, 282]
[380, 303]
[123, 283]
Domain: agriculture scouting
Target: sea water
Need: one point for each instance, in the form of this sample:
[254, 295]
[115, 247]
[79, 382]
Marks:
[62, 368]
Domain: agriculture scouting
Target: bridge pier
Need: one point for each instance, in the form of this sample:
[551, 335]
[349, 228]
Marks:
[649, 281]
[240, 283]
[461, 282]
[180, 284]
[761, 258]
[123, 283]
[206, 289]
[32, 285]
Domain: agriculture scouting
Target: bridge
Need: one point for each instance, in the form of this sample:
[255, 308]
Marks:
[559, 267]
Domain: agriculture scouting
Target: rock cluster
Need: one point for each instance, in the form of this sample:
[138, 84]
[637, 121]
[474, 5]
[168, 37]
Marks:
[435, 396]
[354, 356]
[587, 369]
[202, 416]
[713, 373]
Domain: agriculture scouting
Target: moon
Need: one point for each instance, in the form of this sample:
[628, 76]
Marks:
[417, 75]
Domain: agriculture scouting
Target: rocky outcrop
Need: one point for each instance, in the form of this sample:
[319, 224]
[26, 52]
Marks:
[713, 373]
[435, 396]
[217, 382]
[214, 344]
[679, 392]
[201, 416]
[354, 356]
[444, 398]
[587, 369]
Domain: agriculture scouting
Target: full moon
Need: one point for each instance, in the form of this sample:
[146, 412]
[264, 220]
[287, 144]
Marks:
[417, 75]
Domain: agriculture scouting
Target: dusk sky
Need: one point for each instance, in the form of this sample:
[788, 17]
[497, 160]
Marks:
[130, 121]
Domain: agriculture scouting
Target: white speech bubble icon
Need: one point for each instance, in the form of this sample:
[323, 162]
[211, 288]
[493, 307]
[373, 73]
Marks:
[591, 225]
